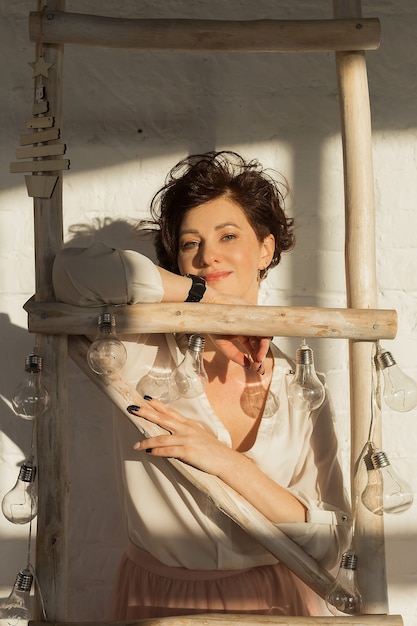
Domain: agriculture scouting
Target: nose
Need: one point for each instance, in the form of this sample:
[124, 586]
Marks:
[207, 254]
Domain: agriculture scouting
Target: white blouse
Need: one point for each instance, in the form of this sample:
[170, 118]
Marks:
[166, 515]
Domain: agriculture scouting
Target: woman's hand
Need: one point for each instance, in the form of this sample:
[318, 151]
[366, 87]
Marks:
[189, 441]
[249, 352]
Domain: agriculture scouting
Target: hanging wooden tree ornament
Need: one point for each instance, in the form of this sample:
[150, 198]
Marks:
[38, 145]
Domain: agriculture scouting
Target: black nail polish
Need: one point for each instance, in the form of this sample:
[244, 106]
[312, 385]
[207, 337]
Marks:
[148, 450]
[147, 398]
[132, 408]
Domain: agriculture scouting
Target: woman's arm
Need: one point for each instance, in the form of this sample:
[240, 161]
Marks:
[194, 445]
[91, 276]
[103, 275]
[314, 510]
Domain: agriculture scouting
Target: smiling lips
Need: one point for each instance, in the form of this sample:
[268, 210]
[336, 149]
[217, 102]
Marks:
[213, 277]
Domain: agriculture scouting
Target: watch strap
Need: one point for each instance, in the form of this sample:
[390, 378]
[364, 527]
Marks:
[197, 290]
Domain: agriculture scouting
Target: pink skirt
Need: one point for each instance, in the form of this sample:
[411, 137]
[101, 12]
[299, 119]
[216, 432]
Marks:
[146, 588]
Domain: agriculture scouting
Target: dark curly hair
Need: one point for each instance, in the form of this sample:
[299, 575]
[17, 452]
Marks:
[202, 177]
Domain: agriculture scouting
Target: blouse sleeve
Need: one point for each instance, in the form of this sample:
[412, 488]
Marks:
[318, 484]
[100, 274]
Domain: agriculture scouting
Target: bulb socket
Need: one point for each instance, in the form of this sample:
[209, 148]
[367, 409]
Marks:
[33, 363]
[379, 459]
[27, 472]
[368, 462]
[385, 359]
[24, 580]
[106, 319]
[349, 560]
[304, 355]
[196, 343]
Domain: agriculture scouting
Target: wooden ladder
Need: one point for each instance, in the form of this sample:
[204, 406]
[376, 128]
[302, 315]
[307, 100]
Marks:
[348, 35]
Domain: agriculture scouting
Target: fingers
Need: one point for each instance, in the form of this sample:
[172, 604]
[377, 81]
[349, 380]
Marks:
[260, 347]
[257, 349]
[153, 444]
[248, 352]
[171, 445]
[155, 412]
[158, 413]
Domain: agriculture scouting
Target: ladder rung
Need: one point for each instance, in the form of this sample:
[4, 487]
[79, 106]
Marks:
[170, 34]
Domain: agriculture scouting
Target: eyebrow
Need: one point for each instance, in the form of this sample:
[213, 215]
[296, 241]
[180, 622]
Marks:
[194, 231]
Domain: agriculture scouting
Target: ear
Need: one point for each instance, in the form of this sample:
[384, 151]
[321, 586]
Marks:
[267, 251]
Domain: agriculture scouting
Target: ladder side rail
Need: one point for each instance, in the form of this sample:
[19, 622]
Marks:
[361, 286]
[51, 429]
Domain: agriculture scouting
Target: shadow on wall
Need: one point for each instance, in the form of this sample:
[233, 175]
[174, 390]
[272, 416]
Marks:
[15, 443]
[97, 539]
[117, 233]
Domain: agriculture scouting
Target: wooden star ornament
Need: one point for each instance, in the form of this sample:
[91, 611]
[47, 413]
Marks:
[40, 67]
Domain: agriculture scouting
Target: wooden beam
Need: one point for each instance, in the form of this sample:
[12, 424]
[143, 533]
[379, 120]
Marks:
[40, 186]
[52, 432]
[40, 151]
[40, 136]
[40, 122]
[235, 619]
[363, 325]
[175, 34]
[361, 292]
[44, 165]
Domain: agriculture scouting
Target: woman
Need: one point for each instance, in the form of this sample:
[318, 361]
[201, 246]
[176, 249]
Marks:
[220, 226]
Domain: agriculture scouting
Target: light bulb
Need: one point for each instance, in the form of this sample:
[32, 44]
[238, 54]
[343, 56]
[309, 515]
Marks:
[372, 494]
[30, 398]
[189, 377]
[107, 354]
[344, 595]
[397, 495]
[400, 391]
[271, 405]
[157, 383]
[16, 607]
[20, 504]
[253, 400]
[305, 390]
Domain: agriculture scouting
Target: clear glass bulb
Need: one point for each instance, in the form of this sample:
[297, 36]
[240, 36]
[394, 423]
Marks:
[16, 607]
[271, 404]
[20, 504]
[372, 494]
[189, 378]
[157, 383]
[253, 400]
[343, 595]
[400, 391]
[397, 495]
[305, 391]
[30, 398]
[107, 354]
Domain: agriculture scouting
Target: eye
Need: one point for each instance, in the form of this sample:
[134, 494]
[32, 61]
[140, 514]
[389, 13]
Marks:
[229, 237]
[188, 245]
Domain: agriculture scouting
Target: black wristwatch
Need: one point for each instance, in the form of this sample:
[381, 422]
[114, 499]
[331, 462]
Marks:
[197, 288]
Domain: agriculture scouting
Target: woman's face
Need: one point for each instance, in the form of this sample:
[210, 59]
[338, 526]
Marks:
[217, 242]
